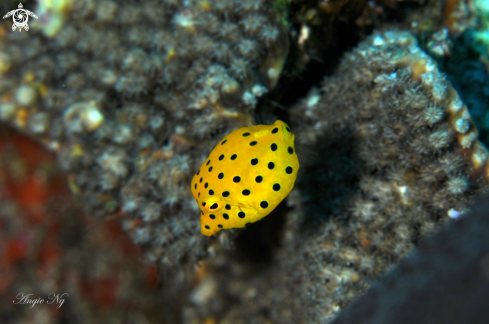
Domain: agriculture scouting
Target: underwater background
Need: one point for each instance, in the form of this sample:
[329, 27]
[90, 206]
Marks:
[108, 109]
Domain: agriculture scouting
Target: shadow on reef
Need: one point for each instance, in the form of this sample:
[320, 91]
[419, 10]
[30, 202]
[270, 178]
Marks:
[329, 174]
[258, 242]
[329, 177]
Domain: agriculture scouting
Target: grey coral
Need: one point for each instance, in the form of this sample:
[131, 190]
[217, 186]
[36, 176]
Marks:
[381, 181]
[132, 117]
[132, 96]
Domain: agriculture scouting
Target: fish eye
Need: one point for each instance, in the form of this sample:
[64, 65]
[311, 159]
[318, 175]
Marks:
[213, 204]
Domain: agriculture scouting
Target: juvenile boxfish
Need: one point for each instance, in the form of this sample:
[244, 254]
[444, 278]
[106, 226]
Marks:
[245, 177]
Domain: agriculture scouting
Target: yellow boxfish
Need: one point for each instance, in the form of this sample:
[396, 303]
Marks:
[245, 177]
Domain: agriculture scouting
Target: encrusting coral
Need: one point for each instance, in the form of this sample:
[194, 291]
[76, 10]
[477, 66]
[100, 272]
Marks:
[132, 97]
[151, 88]
[415, 162]
[76, 267]
[397, 157]
[454, 32]
[444, 281]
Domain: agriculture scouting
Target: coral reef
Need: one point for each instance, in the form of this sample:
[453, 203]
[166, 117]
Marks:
[397, 157]
[321, 31]
[467, 70]
[455, 34]
[132, 97]
[322, 25]
[445, 281]
[414, 162]
[48, 246]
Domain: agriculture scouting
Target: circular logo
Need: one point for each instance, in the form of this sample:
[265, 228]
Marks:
[20, 18]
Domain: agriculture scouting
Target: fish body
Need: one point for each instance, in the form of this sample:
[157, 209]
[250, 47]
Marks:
[247, 174]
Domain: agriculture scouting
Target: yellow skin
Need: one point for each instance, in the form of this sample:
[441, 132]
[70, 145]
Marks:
[228, 187]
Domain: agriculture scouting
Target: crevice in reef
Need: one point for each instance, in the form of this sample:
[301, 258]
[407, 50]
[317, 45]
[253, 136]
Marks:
[318, 56]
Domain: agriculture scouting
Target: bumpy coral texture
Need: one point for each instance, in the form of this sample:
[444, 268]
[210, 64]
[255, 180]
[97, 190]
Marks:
[133, 96]
[415, 158]
[397, 156]
[444, 281]
[152, 86]
[48, 246]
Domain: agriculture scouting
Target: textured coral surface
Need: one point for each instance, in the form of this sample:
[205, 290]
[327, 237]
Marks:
[404, 158]
[445, 281]
[132, 96]
[393, 155]
[48, 246]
